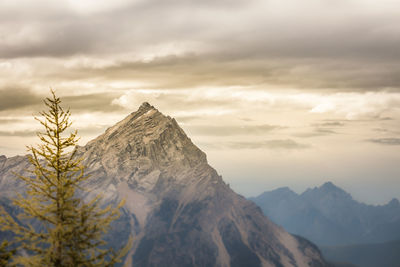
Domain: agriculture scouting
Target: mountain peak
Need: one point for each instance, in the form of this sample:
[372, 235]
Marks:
[394, 202]
[145, 106]
[147, 142]
[329, 186]
[284, 190]
[327, 190]
[281, 193]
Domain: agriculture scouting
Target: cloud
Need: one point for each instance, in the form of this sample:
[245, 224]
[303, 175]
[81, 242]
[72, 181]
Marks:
[18, 133]
[92, 102]
[72, 27]
[14, 97]
[186, 119]
[9, 120]
[231, 26]
[249, 102]
[18, 97]
[383, 130]
[356, 106]
[329, 124]
[229, 130]
[183, 70]
[325, 131]
[316, 132]
[385, 141]
[284, 144]
[176, 44]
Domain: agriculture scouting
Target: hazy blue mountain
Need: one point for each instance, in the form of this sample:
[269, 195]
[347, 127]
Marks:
[366, 255]
[327, 215]
[179, 210]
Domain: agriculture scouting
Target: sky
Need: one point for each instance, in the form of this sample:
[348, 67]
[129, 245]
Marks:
[276, 92]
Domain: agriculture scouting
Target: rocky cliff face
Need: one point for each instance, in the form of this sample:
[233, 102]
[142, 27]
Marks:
[178, 208]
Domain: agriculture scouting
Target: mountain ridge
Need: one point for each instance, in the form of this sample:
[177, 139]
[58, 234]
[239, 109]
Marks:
[329, 207]
[179, 210]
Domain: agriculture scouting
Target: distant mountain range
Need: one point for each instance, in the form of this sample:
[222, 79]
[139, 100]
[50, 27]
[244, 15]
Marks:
[366, 255]
[178, 209]
[327, 215]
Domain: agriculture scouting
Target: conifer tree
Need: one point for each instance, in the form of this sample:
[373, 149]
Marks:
[68, 231]
[5, 254]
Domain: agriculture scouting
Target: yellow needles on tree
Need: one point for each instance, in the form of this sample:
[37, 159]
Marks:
[59, 228]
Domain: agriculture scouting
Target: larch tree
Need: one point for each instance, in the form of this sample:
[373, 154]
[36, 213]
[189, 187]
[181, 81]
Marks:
[6, 254]
[60, 228]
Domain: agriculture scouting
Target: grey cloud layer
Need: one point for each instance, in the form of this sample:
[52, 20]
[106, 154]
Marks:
[207, 130]
[386, 141]
[8, 120]
[92, 102]
[18, 133]
[329, 124]
[316, 132]
[323, 46]
[191, 70]
[242, 29]
[279, 144]
[13, 97]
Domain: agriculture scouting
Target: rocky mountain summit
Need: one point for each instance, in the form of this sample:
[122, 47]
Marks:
[179, 210]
